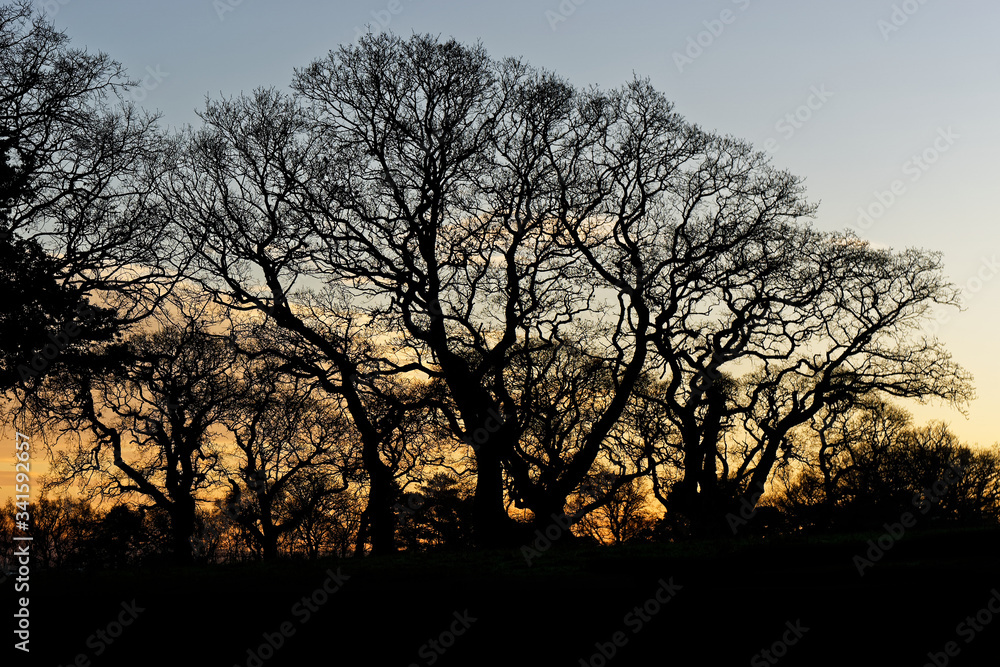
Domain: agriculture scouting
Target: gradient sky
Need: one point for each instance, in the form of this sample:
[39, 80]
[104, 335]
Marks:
[887, 80]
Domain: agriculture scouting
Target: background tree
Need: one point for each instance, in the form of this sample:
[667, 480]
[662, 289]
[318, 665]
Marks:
[869, 463]
[333, 527]
[293, 449]
[621, 515]
[148, 427]
[439, 515]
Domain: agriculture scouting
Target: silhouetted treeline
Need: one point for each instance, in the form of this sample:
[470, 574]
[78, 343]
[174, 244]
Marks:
[881, 467]
[435, 299]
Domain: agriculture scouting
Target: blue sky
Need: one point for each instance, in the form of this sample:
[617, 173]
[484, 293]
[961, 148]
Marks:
[861, 98]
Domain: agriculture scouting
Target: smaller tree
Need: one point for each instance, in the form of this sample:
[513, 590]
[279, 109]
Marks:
[439, 515]
[622, 514]
[333, 527]
[294, 448]
[871, 464]
[153, 422]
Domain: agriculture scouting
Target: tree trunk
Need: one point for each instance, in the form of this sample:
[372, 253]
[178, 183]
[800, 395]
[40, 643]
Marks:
[380, 512]
[492, 526]
[268, 531]
[550, 520]
[182, 527]
[362, 537]
[270, 545]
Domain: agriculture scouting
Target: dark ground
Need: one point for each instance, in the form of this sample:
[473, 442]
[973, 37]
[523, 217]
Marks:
[734, 601]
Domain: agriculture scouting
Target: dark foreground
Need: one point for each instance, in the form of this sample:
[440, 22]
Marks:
[802, 600]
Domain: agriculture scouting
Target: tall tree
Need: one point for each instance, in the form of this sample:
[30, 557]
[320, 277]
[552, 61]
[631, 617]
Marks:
[758, 321]
[75, 211]
[449, 182]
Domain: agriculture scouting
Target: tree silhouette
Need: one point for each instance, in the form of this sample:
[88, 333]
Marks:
[431, 261]
[236, 193]
[294, 448]
[439, 515]
[70, 205]
[622, 515]
[868, 463]
[153, 423]
[450, 183]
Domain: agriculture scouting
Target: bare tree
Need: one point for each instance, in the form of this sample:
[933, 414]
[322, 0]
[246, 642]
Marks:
[622, 514]
[76, 213]
[761, 321]
[867, 462]
[294, 449]
[236, 192]
[147, 428]
[867, 342]
[451, 180]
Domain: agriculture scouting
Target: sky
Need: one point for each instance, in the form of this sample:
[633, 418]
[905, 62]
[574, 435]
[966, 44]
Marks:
[887, 108]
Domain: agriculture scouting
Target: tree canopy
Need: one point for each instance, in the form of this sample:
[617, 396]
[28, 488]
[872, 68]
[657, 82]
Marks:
[467, 266]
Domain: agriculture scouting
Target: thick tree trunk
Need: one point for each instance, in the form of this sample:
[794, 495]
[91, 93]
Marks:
[268, 531]
[182, 526]
[685, 496]
[492, 526]
[362, 537]
[270, 545]
[380, 512]
[550, 518]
